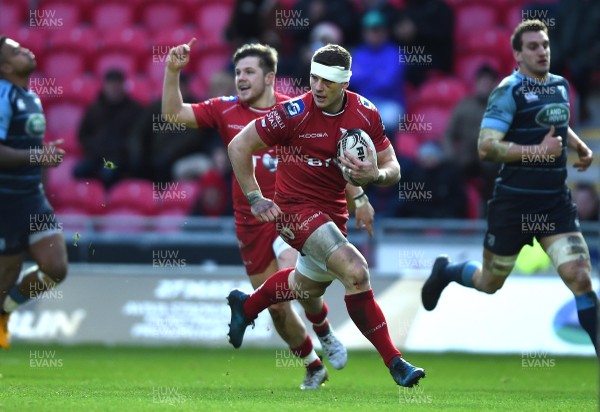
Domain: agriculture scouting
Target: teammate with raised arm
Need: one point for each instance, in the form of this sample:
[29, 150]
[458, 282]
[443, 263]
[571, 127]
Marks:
[27, 222]
[309, 192]
[263, 251]
[526, 129]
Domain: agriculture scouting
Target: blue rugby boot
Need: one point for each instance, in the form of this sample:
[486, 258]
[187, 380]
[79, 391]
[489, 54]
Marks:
[404, 373]
[239, 322]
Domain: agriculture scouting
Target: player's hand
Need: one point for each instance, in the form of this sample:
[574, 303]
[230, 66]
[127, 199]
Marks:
[362, 172]
[179, 56]
[50, 155]
[365, 215]
[552, 145]
[585, 157]
[265, 210]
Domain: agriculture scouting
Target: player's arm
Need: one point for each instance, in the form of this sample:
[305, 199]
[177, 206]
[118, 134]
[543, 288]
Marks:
[388, 172]
[240, 151]
[492, 147]
[173, 107]
[585, 154]
[12, 158]
[363, 210]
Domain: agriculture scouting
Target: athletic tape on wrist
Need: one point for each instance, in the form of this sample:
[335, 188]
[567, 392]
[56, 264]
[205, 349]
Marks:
[332, 73]
[361, 200]
[254, 196]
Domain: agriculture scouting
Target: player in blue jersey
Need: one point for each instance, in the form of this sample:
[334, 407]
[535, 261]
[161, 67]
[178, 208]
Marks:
[526, 129]
[27, 221]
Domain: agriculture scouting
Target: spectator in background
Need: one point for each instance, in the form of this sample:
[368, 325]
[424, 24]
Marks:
[254, 21]
[377, 73]
[162, 142]
[462, 133]
[425, 28]
[575, 46]
[297, 66]
[340, 12]
[586, 198]
[105, 132]
[433, 189]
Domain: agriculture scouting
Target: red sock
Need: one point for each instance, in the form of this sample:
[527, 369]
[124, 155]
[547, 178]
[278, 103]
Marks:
[275, 289]
[319, 320]
[368, 317]
[304, 350]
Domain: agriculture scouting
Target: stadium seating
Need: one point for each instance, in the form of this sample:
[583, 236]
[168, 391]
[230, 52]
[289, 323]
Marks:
[470, 18]
[60, 177]
[63, 119]
[114, 59]
[58, 14]
[87, 196]
[142, 90]
[64, 65]
[14, 14]
[112, 15]
[445, 92]
[212, 18]
[160, 14]
[466, 66]
[133, 194]
[428, 121]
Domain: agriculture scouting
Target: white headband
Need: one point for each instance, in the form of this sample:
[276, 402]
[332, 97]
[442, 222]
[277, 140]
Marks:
[332, 73]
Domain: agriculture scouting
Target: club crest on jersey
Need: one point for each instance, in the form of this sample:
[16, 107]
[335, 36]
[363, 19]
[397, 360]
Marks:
[366, 103]
[35, 126]
[294, 107]
[229, 98]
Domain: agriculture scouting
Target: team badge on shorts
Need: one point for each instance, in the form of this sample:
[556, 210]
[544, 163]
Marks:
[491, 239]
[287, 233]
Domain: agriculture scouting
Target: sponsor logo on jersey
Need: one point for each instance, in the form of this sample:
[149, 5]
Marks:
[235, 126]
[530, 97]
[313, 135]
[294, 107]
[555, 114]
[229, 98]
[364, 102]
[275, 120]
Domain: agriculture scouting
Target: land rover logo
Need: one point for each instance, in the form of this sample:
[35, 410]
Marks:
[553, 115]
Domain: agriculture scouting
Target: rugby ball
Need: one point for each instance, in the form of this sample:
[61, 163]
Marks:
[355, 142]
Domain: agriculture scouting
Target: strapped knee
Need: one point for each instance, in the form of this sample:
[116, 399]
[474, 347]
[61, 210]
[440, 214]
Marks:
[502, 265]
[567, 249]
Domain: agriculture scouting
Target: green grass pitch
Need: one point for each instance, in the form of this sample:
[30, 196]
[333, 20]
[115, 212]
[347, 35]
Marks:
[97, 378]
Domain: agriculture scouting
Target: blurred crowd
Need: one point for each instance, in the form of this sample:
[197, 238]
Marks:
[428, 65]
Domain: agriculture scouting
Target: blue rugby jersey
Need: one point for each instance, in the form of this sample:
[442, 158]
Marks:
[524, 109]
[22, 126]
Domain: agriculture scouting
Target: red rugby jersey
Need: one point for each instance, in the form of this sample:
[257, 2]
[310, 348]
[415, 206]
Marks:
[307, 139]
[229, 116]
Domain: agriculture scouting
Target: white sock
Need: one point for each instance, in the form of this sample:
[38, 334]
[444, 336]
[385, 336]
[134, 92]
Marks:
[310, 358]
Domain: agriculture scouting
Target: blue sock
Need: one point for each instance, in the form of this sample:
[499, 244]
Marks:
[462, 273]
[16, 295]
[587, 312]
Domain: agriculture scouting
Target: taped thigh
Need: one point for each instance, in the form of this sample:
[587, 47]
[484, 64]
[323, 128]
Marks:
[568, 248]
[502, 265]
[325, 240]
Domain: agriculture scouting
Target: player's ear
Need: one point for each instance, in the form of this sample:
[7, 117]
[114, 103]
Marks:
[270, 78]
[345, 85]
